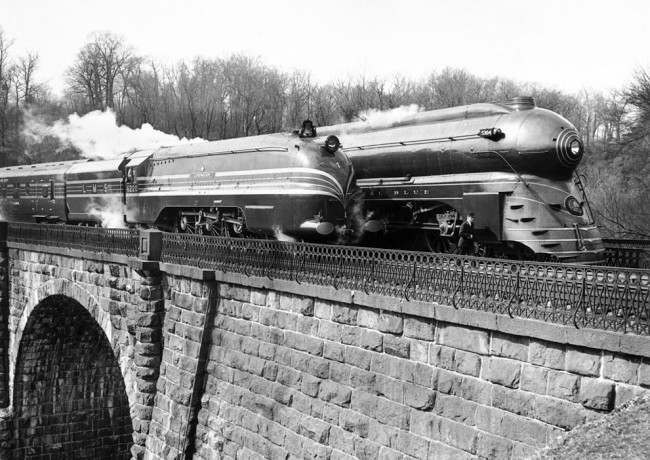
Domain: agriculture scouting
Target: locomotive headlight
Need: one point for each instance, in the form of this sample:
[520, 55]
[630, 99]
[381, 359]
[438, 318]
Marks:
[332, 144]
[575, 148]
[573, 206]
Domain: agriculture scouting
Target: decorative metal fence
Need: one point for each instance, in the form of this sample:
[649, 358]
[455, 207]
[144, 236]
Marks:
[627, 253]
[107, 240]
[585, 296]
[608, 298]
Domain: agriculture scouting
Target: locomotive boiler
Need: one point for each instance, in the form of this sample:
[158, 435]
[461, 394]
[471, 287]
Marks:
[512, 165]
[261, 185]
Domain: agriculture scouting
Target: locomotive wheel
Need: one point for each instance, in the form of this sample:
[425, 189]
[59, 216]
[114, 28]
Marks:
[183, 224]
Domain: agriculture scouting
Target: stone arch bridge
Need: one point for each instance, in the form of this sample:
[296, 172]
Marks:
[126, 343]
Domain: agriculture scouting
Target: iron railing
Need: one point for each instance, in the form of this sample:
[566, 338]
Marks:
[585, 296]
[606, 298]
[627, 253]
[107, 240]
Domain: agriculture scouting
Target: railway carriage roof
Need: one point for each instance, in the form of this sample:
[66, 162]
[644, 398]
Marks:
[39, 169]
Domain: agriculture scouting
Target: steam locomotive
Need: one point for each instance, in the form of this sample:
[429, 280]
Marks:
[262, 185]
[410, 179]
[512, 165]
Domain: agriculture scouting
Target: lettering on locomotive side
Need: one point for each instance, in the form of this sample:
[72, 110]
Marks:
[399, 192]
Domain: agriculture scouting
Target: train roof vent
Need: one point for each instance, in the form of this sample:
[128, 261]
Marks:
[521, 103]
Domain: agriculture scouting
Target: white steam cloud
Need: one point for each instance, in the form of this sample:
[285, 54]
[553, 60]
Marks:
[98, 135]
[281, 236]
[110, 212]
[380, 118]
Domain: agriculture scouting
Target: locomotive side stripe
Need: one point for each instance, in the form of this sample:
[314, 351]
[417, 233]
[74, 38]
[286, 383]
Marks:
[241, 181]
[253, 172]
[273, 191]
[231, 192]
[553, 240]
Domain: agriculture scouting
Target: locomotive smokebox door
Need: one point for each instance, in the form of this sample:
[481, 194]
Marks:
[486, 207]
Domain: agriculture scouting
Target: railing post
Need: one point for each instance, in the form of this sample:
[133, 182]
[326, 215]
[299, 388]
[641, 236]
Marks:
[150, 244]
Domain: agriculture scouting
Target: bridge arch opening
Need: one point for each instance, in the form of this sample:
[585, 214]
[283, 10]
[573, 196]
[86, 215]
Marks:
[70, 400]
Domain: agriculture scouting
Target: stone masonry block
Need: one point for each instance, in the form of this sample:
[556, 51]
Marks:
[384, 435]
[534, 379]
[412, 445]
[364, 403]
[334, 393]
[397, 346]
[258, 297]
[509, 346]
[620, 368]
[363, 380]
[386, 453]
[583, 362]
[458, 435]
[467, 363]
[558, 412]
[393, 414]
[358, 357]
[314, 429]
[323, 309]
[491, 446]
[644, 374]
[419, 351]
[371, 340]
[355, 422]
[350, 334]
[515, 401]
[625, 393]
[344, 314]
[419, 328]
[563, 385]
[506, 372]
[418, 397]
[330, 331]
[474, 340]
[546, 354]
[368, 318]
[334, 351]
[390, 322]
[596, 394]
[474, 389]
[341, 440]
[310, 385]
[425, 424]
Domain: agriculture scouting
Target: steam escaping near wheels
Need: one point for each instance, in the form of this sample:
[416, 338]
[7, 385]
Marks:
[109, 214]
[280, 236]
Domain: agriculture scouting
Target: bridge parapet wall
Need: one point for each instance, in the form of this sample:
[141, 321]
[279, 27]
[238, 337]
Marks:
[297, 369]
[269, 361]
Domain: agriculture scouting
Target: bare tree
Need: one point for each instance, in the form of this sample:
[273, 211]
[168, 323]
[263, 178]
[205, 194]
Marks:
[25, 70]
[95, 72]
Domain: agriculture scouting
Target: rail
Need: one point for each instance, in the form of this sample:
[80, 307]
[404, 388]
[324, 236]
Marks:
[107, 240]
[584, 296]
[608, 298]
[627, 253]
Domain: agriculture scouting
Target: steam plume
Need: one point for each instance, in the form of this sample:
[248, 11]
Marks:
[281, 236]
[381, 118]
[110, 213]
[98, 135]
